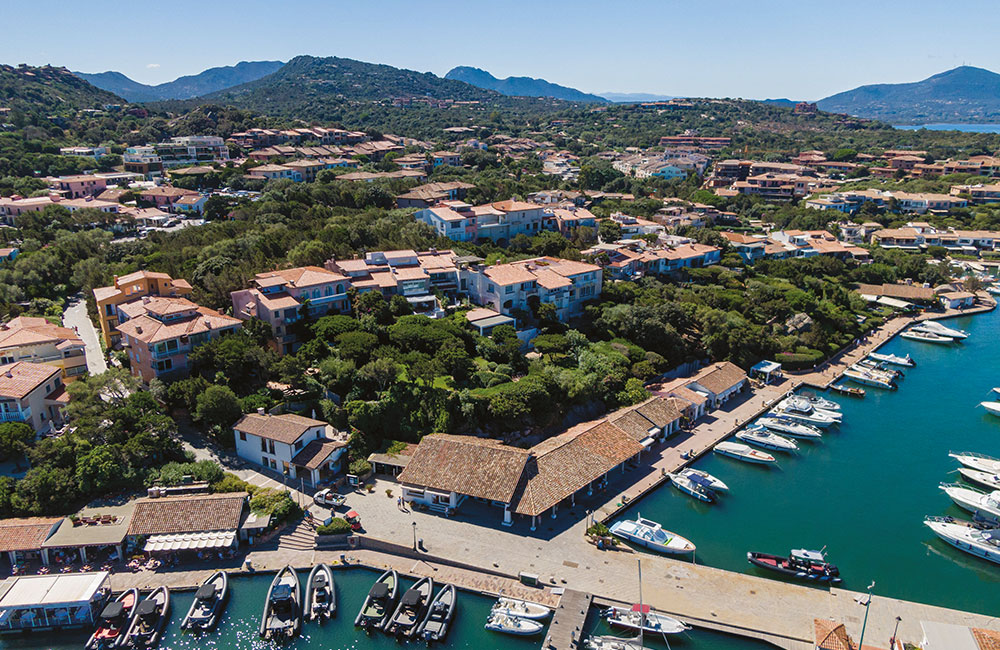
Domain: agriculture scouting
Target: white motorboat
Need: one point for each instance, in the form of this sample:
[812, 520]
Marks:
[977, 461]
[968, 538]
[994, 289]
[801, 410]
[744, 452]
[764, 438]
[612, 643]
[986, 479]
[640, 617]
[992, 407]
[791, 428]
[521, 608]
[973, 500]
[894, 359]
[692, 487]
[868, 377]
[712, 483]
[651, 535]
[878, 366]
[513, 625]
[926, 336]
[995, 389]
[935, 327]
[821, 403]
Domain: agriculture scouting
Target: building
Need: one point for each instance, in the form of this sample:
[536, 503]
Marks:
[568, 219]
[747, 247]
[978, 193]
[37, 340]
[276, 172]
[143, 160]
[160, 332]
[164, 196]
[694, 141]
[192, 203]
[499, 222]
[449, 158]
[32, 393]
[197, 522]
[54, 602]
[517, 286]
[957, 299]
[79, 186]
[84, 152]
[908, 292]
[425, 196]
[485, 320]
[296, 446]
[129, 288]
[407, 273]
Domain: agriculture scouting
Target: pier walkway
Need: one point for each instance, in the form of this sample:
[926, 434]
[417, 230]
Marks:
[567, 627]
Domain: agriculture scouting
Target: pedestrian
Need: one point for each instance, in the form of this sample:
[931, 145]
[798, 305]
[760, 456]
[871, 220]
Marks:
[399, 503]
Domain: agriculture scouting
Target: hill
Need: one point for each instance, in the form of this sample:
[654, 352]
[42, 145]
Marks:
[964, 94]
[185, 87]
[50, 90]
[636, 98]
[521, 86]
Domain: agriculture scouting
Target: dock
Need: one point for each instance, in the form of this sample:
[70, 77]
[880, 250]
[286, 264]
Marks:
[567, 627]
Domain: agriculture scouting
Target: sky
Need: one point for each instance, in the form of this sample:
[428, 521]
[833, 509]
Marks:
[802, 49]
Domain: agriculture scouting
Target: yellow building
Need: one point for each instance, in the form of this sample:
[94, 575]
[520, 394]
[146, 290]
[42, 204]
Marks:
[37, 340]
[128, 288]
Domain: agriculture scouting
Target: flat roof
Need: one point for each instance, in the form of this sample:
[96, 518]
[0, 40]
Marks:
[70, 536]
[60, 589]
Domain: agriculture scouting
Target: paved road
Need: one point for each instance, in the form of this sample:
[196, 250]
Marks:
[76, 317]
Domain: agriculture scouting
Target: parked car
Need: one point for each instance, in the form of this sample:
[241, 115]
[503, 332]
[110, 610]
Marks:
[327, 497]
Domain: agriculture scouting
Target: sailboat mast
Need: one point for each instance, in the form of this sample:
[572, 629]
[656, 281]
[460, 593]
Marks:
[642, 613]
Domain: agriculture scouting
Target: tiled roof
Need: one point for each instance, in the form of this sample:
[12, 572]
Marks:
[286, 428]
[18, 379]
[720, 377]
[316, 452]
[188, 514]
[25, 534]
[25, 330]
[141, 275]
[150, 330]
[659, 411]
[986, 639]
[831, 635]
[302, 276]
[903, 291]
[634, 424]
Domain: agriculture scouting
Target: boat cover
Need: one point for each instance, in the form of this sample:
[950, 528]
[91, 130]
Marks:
[205, 592]
[699, 480]
[412, 597]
[146, 608]
[992, 536]
[281, 592]
[319, 580]
[113, 610]
[379, 590]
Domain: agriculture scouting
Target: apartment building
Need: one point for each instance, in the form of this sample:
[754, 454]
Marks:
[980, 193]
[164, 196]
[425, 196]
[276, 172]
[449, 158]
[37, 340]
[568, 219]
[774, 187]
[129, 288]
[851, 201]
[143, 160]
[78, 186]
[748, 247]
[407, 273]
[182, 151]
[507, 288]
[500, 221]
[32, 393]
[694, 141]
[668, 260]
[917, 235]
[84, 152]
[297, 447]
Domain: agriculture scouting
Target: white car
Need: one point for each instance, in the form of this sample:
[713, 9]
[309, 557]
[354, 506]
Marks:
[329, 498]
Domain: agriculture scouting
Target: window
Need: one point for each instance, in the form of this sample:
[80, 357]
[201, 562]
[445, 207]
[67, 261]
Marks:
[298, 445]
[509, 289]
[164, 365]
[270, 444]
[243, 436]
[109, 310]
[263, 444]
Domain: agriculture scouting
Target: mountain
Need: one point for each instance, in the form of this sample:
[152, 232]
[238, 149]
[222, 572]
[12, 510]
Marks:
[49, 90]
[964, 94]
[186, 87]
[520, 86]
[635, 98]
[787, 103]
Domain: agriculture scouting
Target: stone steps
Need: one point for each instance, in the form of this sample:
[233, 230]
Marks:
[302, 538]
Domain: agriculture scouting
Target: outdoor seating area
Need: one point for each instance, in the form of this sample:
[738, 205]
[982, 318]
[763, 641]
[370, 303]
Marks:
[58, 601]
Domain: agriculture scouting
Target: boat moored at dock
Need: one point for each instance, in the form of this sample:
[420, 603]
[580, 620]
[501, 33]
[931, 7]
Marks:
[993, 408]
[977, 461]
[150, 618]
[935, 327]
[521, 608]
[612, 643]
[651, 535]
[761, 437]
[966, 537]
[800, 563]
[745, 453]
[973, 500]
[411, 610]
[640, 617]
[925, 336]
[513, 625]
[439, 615]
[868, 377]
[894, 359]
[692, 487]
[209, 601]
[790, 428]
[321, 594]
[114, 622]
[282, 615]
[844, 389]
[986, 479]
[379, 602]
[799, 409]
[711, 482]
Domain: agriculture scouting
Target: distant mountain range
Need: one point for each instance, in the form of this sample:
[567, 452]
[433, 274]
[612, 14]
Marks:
[634, 98]
[521, 86]
[186, 87]
[49, 90]
[964, 94]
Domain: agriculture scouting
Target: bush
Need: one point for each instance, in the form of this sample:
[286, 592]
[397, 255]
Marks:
[804, 358]
[277, 503]
[337, 526]
[174, 473]
[231, 483]
[359, 467]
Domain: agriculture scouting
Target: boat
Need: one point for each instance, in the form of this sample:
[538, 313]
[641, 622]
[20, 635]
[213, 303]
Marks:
[966, 537]
[114, 622]
[894, 359]
[513, 625]
[712, 483]
[692, 487]
[844, 389]
[977, 461]
[209, 601]
[820, 402]
[411, 610]
[744, 452]
[150, 618]
[878, 366]
[943, 330]
[994, 289]
[800, 410]
[521, 608]
[282, 617]
[640, 617]
[973, 500]
[791, 428]
[764, 438]
[869, 378]
[380, 601]
[986, 479]
[612, 643]
[800, 563]
[439, 615]
[993, 408]
[321, 594]
[925, 336]
[651, 535]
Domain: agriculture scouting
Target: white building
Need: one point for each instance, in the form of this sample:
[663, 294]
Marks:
[295, 446]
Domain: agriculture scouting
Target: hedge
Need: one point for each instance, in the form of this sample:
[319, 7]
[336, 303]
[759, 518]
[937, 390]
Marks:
[337, 526]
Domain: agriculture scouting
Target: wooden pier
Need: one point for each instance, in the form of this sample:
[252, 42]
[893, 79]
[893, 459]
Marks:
[567, 627]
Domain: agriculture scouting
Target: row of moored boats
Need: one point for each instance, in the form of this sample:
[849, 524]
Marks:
[979, 536]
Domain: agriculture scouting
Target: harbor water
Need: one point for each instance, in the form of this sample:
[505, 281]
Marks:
[967, 128]
[864, 490]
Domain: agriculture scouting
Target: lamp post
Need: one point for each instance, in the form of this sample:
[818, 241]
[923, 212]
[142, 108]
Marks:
[868, 604]
[414, 536]
[892, 642]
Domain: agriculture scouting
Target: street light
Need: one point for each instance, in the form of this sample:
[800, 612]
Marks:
[414, 536]
[868, 604]
[892, 642]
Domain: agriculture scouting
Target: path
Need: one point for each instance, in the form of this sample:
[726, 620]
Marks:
[76, 317]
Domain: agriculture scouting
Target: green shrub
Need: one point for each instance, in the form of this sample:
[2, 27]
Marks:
[359, 466]
[337, 526]
[231, 483]
[277, 503]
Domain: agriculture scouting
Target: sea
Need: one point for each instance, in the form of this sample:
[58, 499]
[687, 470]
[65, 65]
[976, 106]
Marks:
[968, 128]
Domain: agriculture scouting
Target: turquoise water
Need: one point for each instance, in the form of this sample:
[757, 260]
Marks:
[238, 628]
[864, 490]
[969, 128]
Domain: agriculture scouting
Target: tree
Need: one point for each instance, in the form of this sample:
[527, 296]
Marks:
[102, 470]
[609, 231]
[218, 406]
[329, 328]
[14, 438]
[46, 490]
[357, 346]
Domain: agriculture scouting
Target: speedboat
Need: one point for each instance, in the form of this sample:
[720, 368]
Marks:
[115, 620]
[744, 452]
[943, 330]
[612, 643]
[844, 389]
[442, 609]
[209, 601]
[894, 359]
[650, 534]
[321, 594]
[878, 366]
[925, 336]
[790, 428]
[380, 601]
[150, 618]
[800, 563]
[764, 438]
[977, 461]
[706, 479]
[820, 402]
[870, 378]
[692, 488]
[282, 617]
[992, 407]
[994, 289]
[966, 537]
[986, 479]
[973, 500]
[513, 625]
[521, 608]
[411, 610]
[800, 410]
[640, 617]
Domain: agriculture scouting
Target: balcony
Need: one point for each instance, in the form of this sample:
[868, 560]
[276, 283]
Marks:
[15, 416]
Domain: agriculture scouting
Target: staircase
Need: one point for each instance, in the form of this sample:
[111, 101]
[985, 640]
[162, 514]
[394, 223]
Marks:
[301, 538]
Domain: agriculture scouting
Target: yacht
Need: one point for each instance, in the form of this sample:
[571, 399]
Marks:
[848, 390]
[649, 622]
[821, 403]
[926, 336]
[612, 643]
[521, 608]
[878, 366]
[977, 461]
[651, 535]
[973, 500]
[764, 438]
[513, 625]
[937, 328]
[801, 410]
[744, 453]
[994, 289]
[706, 479]
[868, 377]
[992, 407]
[692, 487]
[986, 479]
[790, 428]
[894, 359]
[966, 537]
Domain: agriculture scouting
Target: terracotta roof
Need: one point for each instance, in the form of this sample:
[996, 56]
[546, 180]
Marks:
[316, 452]
[470, 466]
[141, 275]
[25, 330]
[286, 428]
[659, 411]
[19, 379]
[831, 635]
[505, 274]
[720, 377]
[150, 330]
[25, 534]
[634, 424]
[188, 514]
[904, 291]
[303, 276]
[986, 639]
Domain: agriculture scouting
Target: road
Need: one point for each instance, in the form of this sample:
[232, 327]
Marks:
[76, 318]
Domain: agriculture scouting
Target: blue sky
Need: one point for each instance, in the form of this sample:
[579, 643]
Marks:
[803, 49]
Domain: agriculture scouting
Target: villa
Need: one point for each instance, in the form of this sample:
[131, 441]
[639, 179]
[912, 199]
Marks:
[32, 393]
[296, 446]
[37, 340]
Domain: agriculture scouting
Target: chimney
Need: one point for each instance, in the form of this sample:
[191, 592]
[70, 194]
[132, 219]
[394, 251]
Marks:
[260, 410]
[145, 300]
[138, 329]
[9, 374]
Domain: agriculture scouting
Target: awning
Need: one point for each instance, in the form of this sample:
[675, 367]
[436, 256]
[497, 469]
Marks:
[191, 541]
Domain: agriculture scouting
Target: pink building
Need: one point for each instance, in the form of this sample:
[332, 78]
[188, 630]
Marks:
[75, 187]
